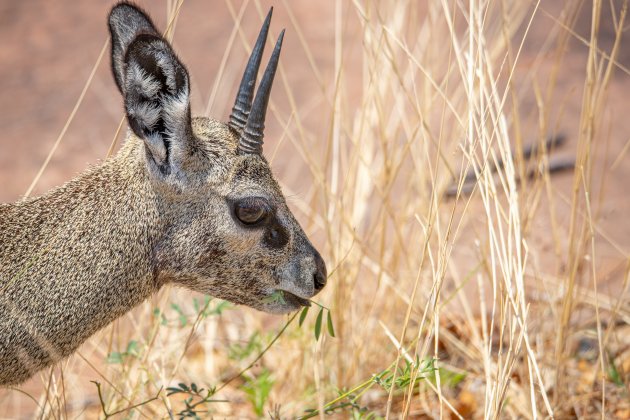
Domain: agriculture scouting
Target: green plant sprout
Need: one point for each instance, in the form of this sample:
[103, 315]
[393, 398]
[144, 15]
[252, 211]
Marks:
[398, 378]
[196, 397]
[257, 389]
[202, 309]
[133, 350]
[319, 320]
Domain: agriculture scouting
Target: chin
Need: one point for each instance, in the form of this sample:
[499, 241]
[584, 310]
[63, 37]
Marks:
[290, 303]
[279, 308]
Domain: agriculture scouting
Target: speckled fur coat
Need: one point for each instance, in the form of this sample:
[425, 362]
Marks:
[180, 203]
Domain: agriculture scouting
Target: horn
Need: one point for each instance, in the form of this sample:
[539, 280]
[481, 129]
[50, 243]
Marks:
[243, 103]
[251, 140]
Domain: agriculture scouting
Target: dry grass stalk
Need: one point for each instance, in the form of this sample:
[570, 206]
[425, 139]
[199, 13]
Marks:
[416, 276]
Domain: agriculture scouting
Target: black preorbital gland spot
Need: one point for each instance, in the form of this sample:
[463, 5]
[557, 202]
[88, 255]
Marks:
[276, 236]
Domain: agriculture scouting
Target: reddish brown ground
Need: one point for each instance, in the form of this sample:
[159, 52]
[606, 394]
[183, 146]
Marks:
[48, 49]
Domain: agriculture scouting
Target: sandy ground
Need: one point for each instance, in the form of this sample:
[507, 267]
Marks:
[49, 49]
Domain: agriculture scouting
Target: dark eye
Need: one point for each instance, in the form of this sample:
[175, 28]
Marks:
[251, 211]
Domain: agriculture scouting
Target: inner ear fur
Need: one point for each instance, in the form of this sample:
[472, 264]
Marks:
[157, 99]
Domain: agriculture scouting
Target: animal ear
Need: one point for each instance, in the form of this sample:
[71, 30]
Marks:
[157, 100]
[126, 21]
[154, 84]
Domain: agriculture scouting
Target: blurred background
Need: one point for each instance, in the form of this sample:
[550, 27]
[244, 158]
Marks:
[51, 50]
[378, 111]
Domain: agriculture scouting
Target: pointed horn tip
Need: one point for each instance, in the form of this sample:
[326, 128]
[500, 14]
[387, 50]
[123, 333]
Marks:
[267, 21]
[243, 101]
[279, 42]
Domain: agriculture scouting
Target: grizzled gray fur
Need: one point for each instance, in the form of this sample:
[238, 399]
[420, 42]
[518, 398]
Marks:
[186, 201]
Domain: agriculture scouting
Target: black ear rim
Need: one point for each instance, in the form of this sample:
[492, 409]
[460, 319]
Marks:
[115, 41]
[131, 5]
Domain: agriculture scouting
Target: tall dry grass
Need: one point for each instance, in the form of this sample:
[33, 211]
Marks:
[449, 298]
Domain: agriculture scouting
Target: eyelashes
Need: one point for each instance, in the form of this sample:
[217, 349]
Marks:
[252, 211]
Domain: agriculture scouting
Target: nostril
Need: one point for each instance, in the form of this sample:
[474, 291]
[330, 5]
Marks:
[320, 281]
[320, 276]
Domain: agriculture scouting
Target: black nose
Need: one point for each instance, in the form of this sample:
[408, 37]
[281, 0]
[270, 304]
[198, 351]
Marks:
[320, 276]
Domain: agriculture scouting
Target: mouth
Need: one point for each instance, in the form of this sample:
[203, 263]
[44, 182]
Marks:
[294, 300]
[281, 301]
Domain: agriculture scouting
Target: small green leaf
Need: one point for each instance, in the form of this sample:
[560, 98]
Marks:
[613, 373]
[115, 358]
[183, 319]
[257, 389]
[276, 297]
[303, 315]
[183, 386]
[220, 307]
[133, 348]
[331, 329]
[193, 386]
[318, 323]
